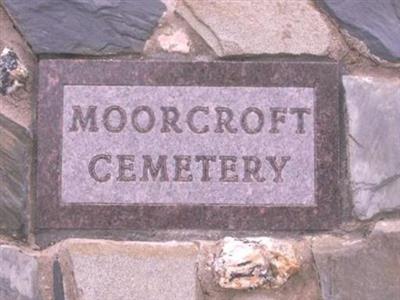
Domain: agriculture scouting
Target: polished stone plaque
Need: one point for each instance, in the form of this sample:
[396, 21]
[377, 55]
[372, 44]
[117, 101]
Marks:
[225, 145]
[188, 145]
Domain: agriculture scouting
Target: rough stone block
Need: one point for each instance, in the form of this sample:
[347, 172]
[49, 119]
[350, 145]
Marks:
[18, 275]
[128, 270]
[15, 136]
[302, 285]
[19, 105]
[360, 269]
[86, 27]
[251, 263]
[377, 23]
[373, 109]
[15, 163]
[13, 74]
[258, 27]
[389, 228]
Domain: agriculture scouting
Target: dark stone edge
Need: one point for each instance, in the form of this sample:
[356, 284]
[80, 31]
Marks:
[39, 50]
[373, 43]
[58, 281]
[56, 73]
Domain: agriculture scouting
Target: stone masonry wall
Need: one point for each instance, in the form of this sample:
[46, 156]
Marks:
[358, 260]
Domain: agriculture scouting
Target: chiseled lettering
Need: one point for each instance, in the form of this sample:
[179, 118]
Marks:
[124, 167]
[252, 167]
[92, 167]
[122, 118]
[244, 122]
[182, 166]
[205, 160]
[276, 118]
[83, 121]
[170, 119]
[160, 169]
[190, 117]
[224, 119]
[300, 111]
[226, 168]
[278, 167]
[151, 119]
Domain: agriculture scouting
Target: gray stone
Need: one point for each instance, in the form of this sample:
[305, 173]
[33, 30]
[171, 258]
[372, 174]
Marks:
[258, 27]
[18, 275]
[130, 270]
[373, 108]
[86, 27]
[360, 269]
[80, 148]
[16, 110]
[375, 22]
[58, 282]
[15, 168]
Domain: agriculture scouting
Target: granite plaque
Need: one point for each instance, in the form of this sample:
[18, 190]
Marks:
[159, 145]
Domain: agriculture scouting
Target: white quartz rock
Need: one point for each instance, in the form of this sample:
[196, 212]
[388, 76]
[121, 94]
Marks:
[13, 74]
[254, 262]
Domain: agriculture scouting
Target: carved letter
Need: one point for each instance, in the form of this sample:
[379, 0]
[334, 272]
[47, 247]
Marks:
[205, 159]
[122, 118]
[300, 117]
[278, 167]
[92, 167]
[190, 116]
[170, 121]
[275, 119]
[182, 163]
[123, 166]
[224, 122]
[244, 123]
[161, 167]
[83, 121]
[225, 168]
[252, 172]
[151, 119]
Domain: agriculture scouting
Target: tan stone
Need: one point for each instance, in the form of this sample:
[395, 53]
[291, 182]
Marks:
[175, 41]
[130, 270]
[260, 26]
[174, 38]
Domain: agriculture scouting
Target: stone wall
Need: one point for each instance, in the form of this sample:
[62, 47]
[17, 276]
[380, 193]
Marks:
[358, 260]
